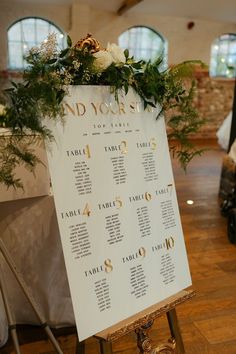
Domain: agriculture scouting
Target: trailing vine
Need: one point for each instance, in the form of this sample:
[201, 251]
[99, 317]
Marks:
[45, 82]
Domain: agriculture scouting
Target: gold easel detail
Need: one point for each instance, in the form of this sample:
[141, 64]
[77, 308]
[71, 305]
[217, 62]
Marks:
[145, 346]
[167, 348]
[141, 324]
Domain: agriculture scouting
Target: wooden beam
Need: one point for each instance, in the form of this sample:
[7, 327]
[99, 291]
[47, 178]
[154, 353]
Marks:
[127, 5]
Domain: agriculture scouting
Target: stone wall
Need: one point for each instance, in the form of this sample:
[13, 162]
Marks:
[214, 101]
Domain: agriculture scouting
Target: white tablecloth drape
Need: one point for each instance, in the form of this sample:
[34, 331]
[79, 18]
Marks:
[29, 230]
[223, 133]
[232, 152]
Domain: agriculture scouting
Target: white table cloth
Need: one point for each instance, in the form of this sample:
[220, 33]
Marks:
[29, 230]
[223, 133]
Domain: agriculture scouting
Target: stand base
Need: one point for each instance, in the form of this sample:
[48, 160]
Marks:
[142, 322]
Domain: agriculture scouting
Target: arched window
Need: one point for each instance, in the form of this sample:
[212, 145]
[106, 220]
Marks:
[223, 56]
[27, 33]
[144, 43]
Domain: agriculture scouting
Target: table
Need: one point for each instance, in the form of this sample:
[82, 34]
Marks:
[29, 230]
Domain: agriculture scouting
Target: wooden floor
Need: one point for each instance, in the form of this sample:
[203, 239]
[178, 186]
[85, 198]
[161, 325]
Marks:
[208, 322]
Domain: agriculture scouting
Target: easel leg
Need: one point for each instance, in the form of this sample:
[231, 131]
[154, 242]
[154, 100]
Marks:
[29, 296]
[11, 323]
[105, 347]
[175, 330]
[80, 347]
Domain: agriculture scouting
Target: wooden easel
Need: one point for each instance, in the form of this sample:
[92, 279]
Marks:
[141, 323]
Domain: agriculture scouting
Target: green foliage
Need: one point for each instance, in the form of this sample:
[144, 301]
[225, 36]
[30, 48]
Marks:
[15, 151]
[44, 87]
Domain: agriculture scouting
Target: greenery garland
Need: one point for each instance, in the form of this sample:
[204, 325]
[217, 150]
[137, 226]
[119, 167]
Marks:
[49, 73]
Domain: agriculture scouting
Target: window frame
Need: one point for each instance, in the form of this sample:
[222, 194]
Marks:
[21, 41]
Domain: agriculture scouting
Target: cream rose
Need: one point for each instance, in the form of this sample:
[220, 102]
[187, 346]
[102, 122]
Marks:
[103, 60]
[2, 110]
[117, 53]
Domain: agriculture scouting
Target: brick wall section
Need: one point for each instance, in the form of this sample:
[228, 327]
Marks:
[213, 99]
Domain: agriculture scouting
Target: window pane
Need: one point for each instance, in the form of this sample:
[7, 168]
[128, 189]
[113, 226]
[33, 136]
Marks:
[223, 56]
[143, 43]
[15, 55]
[28, 30]
[14, 33]
[42, 30]
[27, 33]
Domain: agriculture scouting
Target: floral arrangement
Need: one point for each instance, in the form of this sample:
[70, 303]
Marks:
[45, 84]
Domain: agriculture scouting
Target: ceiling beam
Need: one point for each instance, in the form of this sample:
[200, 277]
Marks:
[127, 5]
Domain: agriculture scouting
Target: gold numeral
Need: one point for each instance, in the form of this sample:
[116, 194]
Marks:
[87, 210]
[153, 144]
[142, 252]
[87, 151]
[170, 243]
[148, 196]
[119, 203]
[108, 265]
[170, 187]
[123, 147]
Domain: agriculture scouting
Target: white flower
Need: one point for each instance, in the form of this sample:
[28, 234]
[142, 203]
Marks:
[103, 60]
[48, 47]
[76, 64]
[117, 53]
[2, 110]
[68, 78]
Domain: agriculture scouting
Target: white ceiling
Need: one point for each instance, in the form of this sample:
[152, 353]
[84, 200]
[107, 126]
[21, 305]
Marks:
[216, 10]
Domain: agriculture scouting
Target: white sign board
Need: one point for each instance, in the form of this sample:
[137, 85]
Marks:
[116, 207]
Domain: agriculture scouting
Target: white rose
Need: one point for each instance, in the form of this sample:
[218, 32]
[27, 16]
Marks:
[2, 110]
[117, 53]
[103, 60]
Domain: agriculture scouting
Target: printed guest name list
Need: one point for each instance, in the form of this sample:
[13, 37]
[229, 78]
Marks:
[116, 207]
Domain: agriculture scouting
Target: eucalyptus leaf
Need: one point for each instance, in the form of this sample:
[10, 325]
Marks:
[69, 41]
[126, 87]
[137, 65]
[126, 53]
[64, 52]
[51, 61]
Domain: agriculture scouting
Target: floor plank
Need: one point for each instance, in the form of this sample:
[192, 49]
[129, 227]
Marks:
[211, 328]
